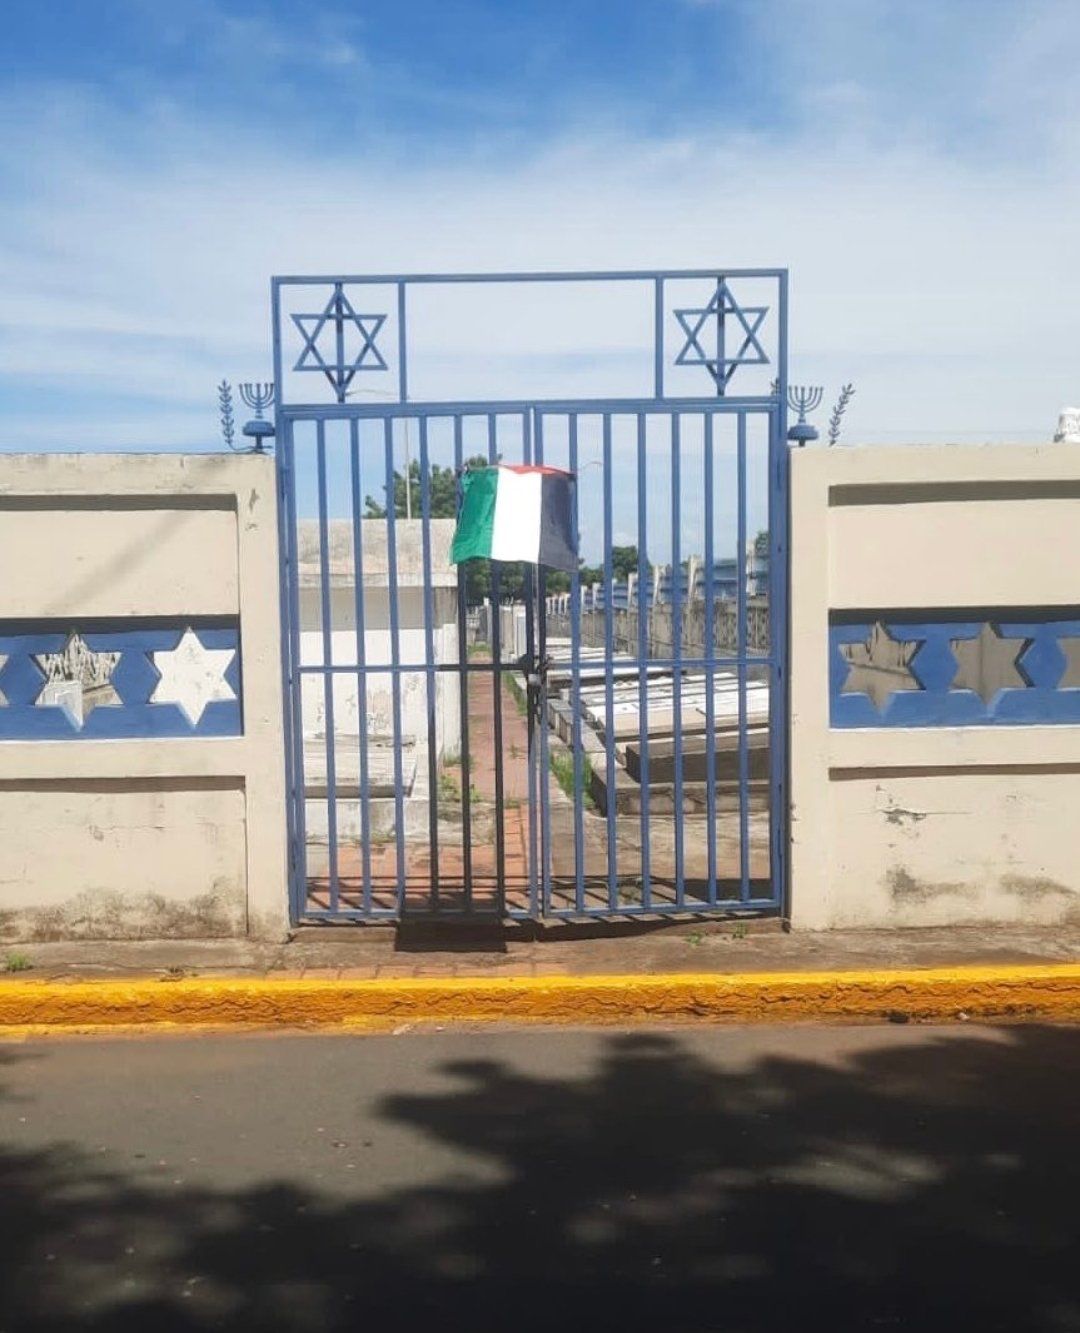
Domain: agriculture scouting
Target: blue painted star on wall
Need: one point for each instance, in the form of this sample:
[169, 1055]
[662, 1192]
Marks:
[722, 305]
[342, 317]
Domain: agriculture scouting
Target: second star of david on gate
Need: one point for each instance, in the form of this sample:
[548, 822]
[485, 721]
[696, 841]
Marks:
[693, 323]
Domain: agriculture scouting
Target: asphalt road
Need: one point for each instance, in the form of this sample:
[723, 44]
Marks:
[727, 1179]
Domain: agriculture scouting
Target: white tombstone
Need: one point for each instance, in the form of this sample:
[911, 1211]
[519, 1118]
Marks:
[65, 694]
[1068, 427]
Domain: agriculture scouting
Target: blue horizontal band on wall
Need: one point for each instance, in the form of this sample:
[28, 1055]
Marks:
[1040, 662]
[147, 666]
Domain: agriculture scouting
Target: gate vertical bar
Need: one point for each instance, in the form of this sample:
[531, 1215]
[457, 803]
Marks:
[779, 574]
[658, 337]
[286, 578]
[644, 613]
[403, 360]
[710, 659]
[328, 662]
[742, 642]
[609, 683]
[395, 654]
[429, 668]
[286, 562]
[297, 775]
[677, 652]
[463, 690]
[530, 693]
[721, 346]
[575, 678]
[339, 340]
[544, 780]
[356, 478]
[496, 685]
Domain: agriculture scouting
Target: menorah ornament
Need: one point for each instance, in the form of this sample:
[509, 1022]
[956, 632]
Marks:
[258, 397]
[802, 400]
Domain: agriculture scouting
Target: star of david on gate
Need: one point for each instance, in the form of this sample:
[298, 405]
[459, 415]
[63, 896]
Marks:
[723, 304]
[340, 314]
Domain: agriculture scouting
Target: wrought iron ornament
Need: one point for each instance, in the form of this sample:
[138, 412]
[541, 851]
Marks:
[803, 399]
[847, 392]
[225, 410]
[697, 324]
[340, 315]
[258, 397]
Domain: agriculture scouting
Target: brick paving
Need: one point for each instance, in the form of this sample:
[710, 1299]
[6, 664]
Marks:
[593, 830]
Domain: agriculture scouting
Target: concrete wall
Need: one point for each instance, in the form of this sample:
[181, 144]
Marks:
[909, 826]
[145, 837]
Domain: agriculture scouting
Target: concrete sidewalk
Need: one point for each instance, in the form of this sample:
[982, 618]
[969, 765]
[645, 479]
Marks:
[435, 952]
[389, 980]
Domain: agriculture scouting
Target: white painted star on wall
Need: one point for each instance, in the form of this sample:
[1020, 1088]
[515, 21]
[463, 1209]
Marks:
[192, 676]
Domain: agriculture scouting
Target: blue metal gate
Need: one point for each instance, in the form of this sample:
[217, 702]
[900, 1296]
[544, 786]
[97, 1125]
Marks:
[509, 741]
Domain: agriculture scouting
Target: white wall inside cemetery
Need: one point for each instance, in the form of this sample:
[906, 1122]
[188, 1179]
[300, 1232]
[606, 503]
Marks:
[412, 639]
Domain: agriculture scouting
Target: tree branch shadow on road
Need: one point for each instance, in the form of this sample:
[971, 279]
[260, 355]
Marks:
[924, 1185]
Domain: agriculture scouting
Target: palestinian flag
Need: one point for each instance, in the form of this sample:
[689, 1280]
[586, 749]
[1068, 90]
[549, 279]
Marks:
[517, 513]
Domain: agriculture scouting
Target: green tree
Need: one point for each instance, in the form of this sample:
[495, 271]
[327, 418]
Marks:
[443, 490]
[624, 561]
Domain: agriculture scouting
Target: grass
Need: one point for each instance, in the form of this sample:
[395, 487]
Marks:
[561, 763]
[517, 693]
[17, 962]
[450, 790]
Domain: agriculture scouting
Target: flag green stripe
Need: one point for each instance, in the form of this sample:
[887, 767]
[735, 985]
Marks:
[476, 522]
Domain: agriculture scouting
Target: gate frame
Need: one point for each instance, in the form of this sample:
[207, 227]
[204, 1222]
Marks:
[774, 405]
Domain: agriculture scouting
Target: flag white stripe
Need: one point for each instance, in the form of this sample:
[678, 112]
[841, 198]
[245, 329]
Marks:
[516, 530]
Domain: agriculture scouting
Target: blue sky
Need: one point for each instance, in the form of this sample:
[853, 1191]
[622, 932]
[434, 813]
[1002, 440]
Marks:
[916, 164]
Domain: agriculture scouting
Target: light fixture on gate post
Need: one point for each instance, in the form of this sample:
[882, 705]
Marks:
[802, 400]
[258, 397]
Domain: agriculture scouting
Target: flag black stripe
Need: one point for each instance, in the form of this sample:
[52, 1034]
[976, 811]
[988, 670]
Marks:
[556, 523]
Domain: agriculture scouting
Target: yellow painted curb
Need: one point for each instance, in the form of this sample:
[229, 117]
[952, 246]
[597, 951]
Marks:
[1045, 991]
